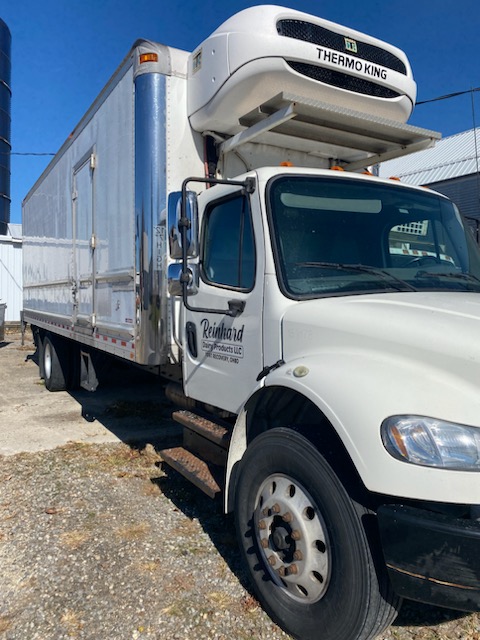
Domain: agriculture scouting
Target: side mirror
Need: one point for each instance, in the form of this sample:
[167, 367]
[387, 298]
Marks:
[174, 232]
[174, 279]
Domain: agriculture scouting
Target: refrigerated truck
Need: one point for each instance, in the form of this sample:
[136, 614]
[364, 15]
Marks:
[213, 218]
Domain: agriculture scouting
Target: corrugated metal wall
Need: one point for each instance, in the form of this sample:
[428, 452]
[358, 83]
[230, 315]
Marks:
[464, 191]
[11, 277]
[451, 158]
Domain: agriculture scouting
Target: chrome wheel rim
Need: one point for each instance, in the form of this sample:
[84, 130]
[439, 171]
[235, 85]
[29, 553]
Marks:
[292, 539]
[47, 361]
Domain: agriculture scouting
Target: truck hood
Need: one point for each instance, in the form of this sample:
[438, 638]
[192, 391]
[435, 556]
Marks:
[438, 329]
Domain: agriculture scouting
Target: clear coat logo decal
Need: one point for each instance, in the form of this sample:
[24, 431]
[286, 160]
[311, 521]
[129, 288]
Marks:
[221, 342]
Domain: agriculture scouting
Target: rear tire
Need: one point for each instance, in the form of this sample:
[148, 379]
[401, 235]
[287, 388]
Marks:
[304, 541]
[39, 338]
[56, 364]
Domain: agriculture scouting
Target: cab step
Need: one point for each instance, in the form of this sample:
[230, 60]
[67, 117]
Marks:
[207, 439]
[193, 469]
[214, 431]
[203, 456]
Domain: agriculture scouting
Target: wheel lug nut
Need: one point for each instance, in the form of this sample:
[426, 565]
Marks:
[262, 525]
[282, 572]
[298, 555]
[272, 561]
[276, 508]
[266, 512]
[264, 544]
[287, 517]
[295, 535]
[292, 569]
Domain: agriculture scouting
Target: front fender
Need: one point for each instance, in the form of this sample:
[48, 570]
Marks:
[356, 392]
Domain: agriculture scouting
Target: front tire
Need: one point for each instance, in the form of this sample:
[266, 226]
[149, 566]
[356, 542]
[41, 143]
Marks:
[303, 539]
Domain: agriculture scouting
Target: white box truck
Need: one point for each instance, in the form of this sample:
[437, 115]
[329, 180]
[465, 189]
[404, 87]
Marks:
[212, 218]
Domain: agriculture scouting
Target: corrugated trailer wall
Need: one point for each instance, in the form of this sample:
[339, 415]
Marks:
[79, 224]
[11, 277]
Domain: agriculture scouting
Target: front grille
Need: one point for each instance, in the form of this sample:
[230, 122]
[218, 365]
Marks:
[315, 34]
[342, 80]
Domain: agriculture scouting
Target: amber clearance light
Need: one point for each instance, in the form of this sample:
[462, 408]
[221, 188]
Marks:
[148, 57]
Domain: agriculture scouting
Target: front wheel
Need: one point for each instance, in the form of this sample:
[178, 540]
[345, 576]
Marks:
[304, 542]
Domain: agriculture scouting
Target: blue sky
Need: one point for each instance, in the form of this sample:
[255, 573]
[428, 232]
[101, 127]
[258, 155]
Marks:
[64, 51]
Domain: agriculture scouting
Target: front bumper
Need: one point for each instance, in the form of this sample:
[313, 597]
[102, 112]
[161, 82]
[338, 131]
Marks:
[431, 557]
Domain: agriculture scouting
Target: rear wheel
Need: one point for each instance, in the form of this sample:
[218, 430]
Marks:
[39, 341]
[56, 364]
[304, 541]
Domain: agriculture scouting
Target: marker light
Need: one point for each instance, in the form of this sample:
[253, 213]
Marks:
[148, 57]
[430, 442]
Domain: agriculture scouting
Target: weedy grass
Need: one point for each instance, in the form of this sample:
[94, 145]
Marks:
[133, 531]
[5, 623]
[76, 538]
[73, 622]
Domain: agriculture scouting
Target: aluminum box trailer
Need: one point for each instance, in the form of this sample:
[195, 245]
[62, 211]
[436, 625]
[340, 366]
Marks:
[213, 218]
[94, 267]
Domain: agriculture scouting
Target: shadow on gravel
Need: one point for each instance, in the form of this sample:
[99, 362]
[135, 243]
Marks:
[416, 614]
[4, 344]
[219, 527]
[135, 409]
[33, 357]
[132, 405]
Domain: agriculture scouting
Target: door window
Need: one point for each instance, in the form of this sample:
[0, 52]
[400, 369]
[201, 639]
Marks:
[228, 248]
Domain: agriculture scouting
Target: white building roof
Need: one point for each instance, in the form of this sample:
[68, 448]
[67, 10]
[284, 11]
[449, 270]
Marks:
[14, 230]
[451, 157]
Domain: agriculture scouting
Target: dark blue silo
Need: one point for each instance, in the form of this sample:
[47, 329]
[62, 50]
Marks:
[5, 125]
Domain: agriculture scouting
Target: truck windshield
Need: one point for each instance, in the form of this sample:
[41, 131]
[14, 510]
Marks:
[341, 236]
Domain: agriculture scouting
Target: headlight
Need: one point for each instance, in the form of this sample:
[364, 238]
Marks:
[432, 443]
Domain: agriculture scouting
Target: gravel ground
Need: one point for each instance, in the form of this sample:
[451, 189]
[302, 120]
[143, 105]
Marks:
[98, 542]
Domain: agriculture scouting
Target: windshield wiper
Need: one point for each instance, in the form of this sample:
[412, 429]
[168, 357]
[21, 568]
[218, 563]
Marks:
[459, 276]
[393, 281]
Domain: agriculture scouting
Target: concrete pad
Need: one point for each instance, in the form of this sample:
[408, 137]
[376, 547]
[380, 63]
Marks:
[132, 408]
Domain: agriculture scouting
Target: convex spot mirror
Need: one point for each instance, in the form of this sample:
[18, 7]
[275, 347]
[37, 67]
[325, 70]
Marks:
[174, 277]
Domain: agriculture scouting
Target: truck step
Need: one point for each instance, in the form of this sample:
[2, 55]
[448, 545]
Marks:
[215, 432]
[195, 470]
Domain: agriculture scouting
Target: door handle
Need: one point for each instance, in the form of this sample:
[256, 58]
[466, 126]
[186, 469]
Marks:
[191, 331]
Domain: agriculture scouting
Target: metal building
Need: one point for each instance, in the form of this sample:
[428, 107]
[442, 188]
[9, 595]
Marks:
[451, 167]
[11, 272]
[5, 121]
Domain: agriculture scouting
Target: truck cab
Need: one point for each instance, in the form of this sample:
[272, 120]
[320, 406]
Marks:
[316, 316]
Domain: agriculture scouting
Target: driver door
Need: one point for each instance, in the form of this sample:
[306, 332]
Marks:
[223, 355]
